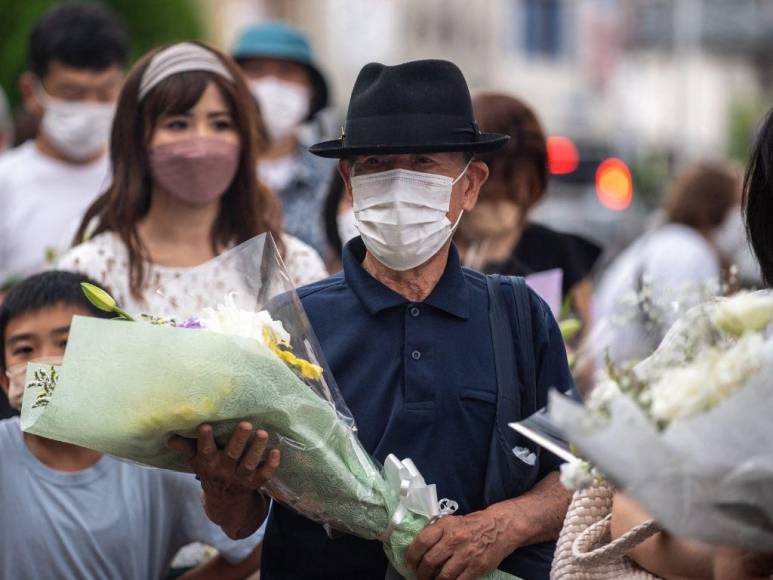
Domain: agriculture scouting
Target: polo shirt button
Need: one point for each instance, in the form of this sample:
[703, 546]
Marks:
[415, 355]
[415, 311]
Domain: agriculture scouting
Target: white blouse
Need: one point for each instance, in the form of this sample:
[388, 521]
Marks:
[671, 269]
[172, 291]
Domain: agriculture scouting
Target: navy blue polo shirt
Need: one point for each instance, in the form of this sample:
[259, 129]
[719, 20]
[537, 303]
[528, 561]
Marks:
[420, 380]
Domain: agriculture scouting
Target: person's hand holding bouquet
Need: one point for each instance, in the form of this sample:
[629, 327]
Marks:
[232, 477]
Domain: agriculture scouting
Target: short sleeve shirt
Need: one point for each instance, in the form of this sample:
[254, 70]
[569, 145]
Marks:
[40, 200]
[541, 248]
[420, 381]
[111, 520]
[677, 266]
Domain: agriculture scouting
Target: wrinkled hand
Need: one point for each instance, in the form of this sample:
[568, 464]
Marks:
[459, 547]
[239, 468]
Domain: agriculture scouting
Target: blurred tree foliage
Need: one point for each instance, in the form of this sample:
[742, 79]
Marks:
[651, 173]
[149, 23]
[745, 119]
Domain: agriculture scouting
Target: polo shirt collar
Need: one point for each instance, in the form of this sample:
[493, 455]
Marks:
[450, 295]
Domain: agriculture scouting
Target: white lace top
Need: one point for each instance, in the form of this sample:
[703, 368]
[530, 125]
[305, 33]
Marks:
[105, 259]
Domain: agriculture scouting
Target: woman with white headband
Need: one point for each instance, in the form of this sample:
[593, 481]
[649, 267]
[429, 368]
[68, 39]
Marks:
[184, 145]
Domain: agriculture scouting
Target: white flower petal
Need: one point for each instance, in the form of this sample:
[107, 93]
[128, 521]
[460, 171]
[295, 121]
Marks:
[744, 312]
[577, 474]
[229, 319]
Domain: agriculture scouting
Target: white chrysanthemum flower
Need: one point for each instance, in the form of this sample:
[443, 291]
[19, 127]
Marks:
[744, 312]
[577, 474]
[229, 319]
[680, 393]
[715, 375]
[602, 394]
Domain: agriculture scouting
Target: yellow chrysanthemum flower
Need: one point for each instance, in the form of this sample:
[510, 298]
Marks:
[305, 368]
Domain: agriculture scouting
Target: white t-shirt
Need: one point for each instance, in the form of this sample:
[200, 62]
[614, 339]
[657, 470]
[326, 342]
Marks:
[111, 520]
[105, 259]
[40, 200]
[676, 268]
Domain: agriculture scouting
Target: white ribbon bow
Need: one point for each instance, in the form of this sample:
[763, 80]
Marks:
[415, 495]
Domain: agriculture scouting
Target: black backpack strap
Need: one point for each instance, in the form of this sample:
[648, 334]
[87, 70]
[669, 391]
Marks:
[525, 345]
[510, 474]
[510, 307]
[503, 342]
[507, 474]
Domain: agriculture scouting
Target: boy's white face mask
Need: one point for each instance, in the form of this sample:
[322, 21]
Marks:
[17, 378]
[402, 215]
[78, 129]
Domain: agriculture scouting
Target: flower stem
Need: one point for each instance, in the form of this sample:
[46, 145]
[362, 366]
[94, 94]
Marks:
[123, 314]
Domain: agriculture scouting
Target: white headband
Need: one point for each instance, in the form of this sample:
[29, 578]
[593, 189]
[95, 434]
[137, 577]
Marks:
[180, 58]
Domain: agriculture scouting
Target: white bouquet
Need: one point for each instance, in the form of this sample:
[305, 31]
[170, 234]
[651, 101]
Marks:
[688, 432]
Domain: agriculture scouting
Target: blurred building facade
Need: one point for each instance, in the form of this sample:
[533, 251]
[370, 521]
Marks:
[658, 83]
[636, 74]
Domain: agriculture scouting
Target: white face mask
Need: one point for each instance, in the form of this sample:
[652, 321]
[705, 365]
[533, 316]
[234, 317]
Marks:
[401, 215]
[17, 378]
[284, 105]
[347, 226]
[78, 129]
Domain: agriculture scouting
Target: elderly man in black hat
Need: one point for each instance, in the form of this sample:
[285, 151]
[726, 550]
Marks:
[432, 359]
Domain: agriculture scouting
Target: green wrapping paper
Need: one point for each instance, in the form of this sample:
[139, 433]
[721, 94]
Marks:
[124, 388]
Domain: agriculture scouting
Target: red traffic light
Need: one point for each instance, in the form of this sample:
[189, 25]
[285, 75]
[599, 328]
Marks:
[563, 157]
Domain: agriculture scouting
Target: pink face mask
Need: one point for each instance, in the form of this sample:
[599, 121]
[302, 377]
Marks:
[196, 170]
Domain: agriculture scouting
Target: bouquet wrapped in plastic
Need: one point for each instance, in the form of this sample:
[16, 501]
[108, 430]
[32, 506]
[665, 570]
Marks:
[125, 388]
[687, 432]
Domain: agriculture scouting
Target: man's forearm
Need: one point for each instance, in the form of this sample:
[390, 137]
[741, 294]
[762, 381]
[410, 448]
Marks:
[238, 515]
[536, 516]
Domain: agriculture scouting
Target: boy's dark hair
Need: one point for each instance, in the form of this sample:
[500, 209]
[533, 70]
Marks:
[80, 35]
[41, 291]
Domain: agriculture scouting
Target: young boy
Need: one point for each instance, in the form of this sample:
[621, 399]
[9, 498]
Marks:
[70, 512]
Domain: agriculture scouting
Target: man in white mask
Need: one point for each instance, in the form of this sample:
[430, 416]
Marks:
[290, 90]
[432, 359]
[76, 56]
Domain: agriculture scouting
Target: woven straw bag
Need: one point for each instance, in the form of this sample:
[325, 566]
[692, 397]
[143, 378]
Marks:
[585, 550]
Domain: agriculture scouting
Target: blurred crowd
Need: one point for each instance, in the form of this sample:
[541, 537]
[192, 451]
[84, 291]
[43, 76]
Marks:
[135, 175]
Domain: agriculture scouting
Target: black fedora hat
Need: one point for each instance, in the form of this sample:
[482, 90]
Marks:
[415, 107]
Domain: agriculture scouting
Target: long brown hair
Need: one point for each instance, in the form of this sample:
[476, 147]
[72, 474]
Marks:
[247, 208]
[518, 172]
